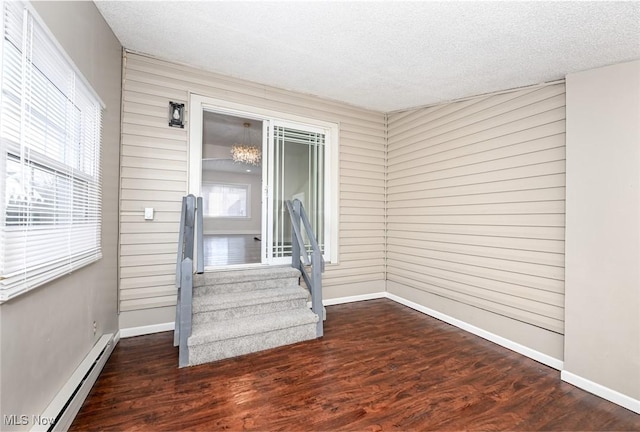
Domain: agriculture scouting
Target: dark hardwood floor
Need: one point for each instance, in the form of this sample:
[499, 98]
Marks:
[380, 366]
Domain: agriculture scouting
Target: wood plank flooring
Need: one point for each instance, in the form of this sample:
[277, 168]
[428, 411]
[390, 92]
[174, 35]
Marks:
[380, 366]
[231, 249]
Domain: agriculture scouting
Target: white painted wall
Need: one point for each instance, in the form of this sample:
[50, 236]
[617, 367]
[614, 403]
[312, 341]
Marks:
[602, 342]
[46, 333]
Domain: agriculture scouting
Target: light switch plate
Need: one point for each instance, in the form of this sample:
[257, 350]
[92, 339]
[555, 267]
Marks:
[148, 213]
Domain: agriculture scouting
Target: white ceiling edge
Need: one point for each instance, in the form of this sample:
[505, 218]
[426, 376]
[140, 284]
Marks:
[383, 56]
[480, 96]
[257, 83]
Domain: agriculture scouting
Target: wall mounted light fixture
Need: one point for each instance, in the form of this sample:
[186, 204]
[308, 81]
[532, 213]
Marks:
[176, 114]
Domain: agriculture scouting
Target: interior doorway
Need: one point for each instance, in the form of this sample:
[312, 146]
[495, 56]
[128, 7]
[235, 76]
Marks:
[245, 218]
[231, 188]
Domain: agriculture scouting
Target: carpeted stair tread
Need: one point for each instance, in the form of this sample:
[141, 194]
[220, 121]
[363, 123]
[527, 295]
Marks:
[246, 275]
[247, 298]
[227, 348]
[206, 290]
[238, 312]
[219, 331]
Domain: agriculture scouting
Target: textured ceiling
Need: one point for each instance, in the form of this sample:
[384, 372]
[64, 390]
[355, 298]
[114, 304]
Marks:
[384, 56]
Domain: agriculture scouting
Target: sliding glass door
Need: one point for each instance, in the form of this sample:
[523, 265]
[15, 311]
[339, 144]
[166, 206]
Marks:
[296, 170]
[299, 160]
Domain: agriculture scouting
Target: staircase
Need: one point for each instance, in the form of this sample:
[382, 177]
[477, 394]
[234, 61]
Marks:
[244, 311]
[230, 313]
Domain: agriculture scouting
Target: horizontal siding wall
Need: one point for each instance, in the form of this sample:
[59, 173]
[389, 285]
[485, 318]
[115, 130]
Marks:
[476, 203]
[154, 174]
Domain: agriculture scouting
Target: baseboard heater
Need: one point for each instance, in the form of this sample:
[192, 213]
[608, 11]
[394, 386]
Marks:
[70, 398]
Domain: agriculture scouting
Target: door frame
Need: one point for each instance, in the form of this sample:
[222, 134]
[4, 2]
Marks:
[198, 104]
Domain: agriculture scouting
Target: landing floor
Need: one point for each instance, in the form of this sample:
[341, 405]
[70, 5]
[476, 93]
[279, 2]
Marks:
[220, 250]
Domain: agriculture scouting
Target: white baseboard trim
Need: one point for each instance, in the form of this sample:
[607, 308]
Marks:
[65, 405]
[513, 346]
[356, 298]
[599, 390]
[585, 384]
[170, 326]
[145, 330]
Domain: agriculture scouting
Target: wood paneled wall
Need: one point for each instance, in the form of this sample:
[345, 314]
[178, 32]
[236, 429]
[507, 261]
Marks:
[465, 199]
[154, 174]
[476, 203]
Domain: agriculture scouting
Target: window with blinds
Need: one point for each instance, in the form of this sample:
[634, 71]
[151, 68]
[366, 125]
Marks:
[226, 200]
[50, 127]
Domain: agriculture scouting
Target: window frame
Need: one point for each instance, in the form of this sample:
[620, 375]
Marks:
[61, 145]
[245, 186]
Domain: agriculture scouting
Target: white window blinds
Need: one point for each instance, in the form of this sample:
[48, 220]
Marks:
[50, 127]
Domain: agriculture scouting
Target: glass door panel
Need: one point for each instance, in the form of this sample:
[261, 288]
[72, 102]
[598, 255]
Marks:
[296, 172]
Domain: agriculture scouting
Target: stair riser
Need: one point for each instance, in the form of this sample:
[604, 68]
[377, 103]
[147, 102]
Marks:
[243, 286]
[247, 275]
[244, 345]
[240, 312]
[248, 310]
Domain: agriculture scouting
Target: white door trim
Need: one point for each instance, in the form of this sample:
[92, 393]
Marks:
[198, 103]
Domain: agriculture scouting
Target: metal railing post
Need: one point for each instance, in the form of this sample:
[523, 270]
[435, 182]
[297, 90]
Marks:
[176, 330]
[295, 241]
[190, 226]
[199, 236]
[183, 214]
[298, 216]
[186, 307]
[316, 292]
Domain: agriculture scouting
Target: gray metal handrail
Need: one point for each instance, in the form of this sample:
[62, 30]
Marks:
[190, 235]
[299, 250]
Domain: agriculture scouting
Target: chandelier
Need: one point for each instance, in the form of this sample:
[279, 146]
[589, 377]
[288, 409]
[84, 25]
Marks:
[246, 153]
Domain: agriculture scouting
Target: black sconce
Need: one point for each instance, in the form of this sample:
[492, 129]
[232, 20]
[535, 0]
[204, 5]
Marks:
[176, 114]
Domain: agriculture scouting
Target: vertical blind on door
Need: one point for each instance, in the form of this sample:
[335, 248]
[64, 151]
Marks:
[50, 127]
